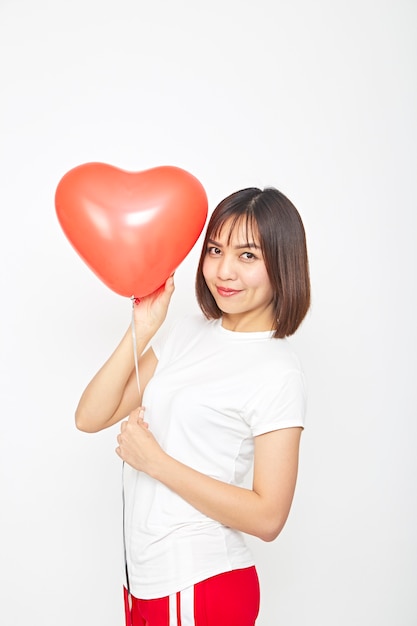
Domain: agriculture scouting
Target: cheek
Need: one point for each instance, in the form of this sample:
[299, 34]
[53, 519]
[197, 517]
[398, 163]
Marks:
[260, 283]
[258, 277]
[206, 268]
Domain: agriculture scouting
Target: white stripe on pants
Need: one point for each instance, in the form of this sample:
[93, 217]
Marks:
[186, 607]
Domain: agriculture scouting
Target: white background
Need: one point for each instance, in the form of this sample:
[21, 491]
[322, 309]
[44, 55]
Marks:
[315, 98]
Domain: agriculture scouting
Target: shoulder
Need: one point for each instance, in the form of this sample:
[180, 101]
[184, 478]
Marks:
[278, 357]
[279, 374]
[181, 331]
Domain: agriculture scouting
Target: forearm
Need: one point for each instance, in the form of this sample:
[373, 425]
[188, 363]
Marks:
[236, 507]
[99, 404]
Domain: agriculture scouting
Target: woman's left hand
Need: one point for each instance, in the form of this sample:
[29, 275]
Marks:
[137, 446]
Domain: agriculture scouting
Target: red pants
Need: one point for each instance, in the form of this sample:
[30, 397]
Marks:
[229, 599]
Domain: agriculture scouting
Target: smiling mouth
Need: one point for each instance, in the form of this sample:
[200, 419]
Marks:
[227, 293]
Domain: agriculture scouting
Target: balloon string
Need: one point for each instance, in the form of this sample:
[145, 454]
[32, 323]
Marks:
[135, 347]
[135, 354]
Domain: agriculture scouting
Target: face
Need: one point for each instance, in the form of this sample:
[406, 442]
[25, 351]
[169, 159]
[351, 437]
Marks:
[235, 273]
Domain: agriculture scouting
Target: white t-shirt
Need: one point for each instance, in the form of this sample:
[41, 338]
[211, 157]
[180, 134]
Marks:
[213, 391]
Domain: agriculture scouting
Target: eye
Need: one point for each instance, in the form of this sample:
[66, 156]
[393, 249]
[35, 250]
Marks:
[248, 256]
[213, 251]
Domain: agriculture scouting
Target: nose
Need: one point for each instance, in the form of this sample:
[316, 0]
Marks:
[226, 269]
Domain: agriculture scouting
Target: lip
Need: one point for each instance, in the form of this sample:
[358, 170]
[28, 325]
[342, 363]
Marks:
[225, 292]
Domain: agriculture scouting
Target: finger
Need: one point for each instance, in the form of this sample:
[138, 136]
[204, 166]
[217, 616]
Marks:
[170, 284]
[141, 414]
[123, 427]
[135, 415]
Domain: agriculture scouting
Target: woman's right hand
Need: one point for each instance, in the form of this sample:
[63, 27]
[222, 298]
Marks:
[150, 311]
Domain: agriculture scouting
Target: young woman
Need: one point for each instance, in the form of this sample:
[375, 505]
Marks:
[223, 394]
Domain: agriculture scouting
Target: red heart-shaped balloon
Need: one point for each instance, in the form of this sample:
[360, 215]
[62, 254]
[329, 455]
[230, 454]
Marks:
[132, 229]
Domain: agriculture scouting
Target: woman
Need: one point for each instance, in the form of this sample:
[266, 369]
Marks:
[223, 393]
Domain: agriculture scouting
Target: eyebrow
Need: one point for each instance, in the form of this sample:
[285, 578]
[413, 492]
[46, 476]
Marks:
[240, 246]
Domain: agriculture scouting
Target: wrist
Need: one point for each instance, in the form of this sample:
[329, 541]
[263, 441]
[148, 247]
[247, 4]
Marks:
[158, 465]
[141, 335]
[145, 330]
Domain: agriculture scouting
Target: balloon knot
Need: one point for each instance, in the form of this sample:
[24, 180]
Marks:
[135, 300]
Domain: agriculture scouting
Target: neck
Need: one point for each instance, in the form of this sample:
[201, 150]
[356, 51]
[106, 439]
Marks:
[247, 323]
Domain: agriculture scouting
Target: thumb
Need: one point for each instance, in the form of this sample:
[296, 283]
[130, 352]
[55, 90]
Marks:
[136, 415]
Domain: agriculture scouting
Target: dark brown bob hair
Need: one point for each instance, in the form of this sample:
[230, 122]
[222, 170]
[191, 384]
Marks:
[275, 221]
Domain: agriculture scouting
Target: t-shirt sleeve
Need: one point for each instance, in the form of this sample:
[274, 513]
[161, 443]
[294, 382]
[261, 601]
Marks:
[279, 404]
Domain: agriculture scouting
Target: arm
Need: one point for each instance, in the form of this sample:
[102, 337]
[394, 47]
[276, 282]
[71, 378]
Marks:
[113, 393]
[261, 511]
